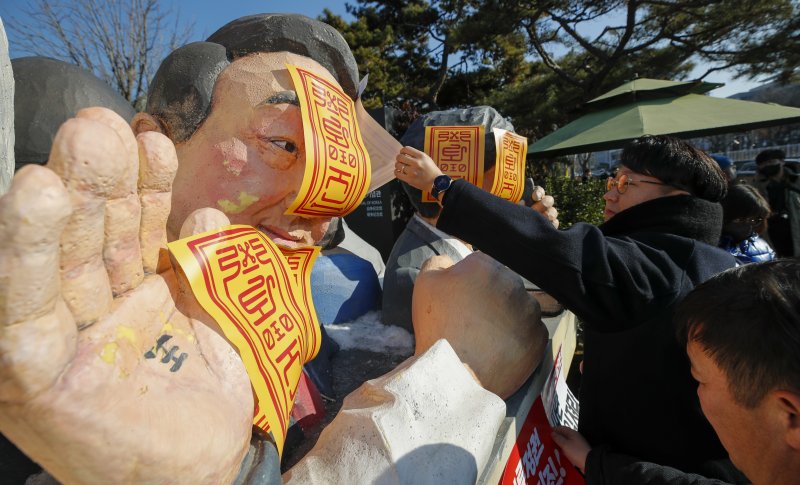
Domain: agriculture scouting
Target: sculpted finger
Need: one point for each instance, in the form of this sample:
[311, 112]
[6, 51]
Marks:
[199, 221]
[440, 261]
[157, 166]
[121, 251]
[32, 215]
[37, 332]
[203, 220]
[83, 155]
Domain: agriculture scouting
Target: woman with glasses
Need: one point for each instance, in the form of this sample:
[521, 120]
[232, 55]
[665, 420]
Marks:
[623, 280]
[745, 214]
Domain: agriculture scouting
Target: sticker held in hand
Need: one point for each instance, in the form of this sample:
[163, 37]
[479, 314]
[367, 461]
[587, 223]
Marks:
[261, 299]
[509, 172]
[457, 151]
[337, 173]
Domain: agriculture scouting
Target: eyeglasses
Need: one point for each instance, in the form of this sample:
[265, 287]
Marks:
[752, 221]
[624, 181]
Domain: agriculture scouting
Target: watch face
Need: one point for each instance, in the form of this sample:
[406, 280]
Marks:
[442, 182]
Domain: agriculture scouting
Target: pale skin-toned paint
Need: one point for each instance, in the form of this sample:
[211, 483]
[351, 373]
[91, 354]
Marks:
[248, 156]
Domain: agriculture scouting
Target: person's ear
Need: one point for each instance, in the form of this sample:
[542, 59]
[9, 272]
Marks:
[789, 406]
[143, 122]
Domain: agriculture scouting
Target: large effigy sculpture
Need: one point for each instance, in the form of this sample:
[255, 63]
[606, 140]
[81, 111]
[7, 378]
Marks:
[111, 368]
[420, 239]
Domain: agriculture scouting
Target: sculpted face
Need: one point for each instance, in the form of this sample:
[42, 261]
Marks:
[247, 159]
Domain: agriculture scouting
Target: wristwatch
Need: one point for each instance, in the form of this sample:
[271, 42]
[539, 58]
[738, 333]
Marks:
[440, 184]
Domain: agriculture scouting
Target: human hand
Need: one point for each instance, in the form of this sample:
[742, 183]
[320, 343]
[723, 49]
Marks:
[416, 168]
[109, 371]
[573, 444]
[544, 204]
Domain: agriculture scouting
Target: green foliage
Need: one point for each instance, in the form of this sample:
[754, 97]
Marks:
[429, 52]
[576, 200]
[539, 61]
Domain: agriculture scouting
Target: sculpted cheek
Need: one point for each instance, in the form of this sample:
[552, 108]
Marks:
[242, 202]
[234, 156]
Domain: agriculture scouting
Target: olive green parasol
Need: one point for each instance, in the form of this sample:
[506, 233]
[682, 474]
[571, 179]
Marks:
[655, 107]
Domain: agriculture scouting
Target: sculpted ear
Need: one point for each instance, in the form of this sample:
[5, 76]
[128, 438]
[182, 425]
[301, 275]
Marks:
[143, 122]
[790, 408]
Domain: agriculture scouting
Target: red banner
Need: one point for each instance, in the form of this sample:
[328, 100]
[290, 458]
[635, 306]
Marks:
[535, 459]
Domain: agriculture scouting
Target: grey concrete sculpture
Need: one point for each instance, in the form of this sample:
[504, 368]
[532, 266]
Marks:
[426, 422]
[418, 242]
[6, 114]
[48, 93]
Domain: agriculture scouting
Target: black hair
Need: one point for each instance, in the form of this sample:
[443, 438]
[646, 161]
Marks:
[474, 116]
[771, 154]
[676, 163]
[747, 320]
[181, 91]
[744, 201]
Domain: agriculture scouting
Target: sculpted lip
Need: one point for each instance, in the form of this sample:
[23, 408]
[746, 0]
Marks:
[275, 233]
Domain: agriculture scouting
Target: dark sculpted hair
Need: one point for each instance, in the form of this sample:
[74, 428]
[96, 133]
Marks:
[747, 320]
[474, 116]
[676, 163]
[181, 91]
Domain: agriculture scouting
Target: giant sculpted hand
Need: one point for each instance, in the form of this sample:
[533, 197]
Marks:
[107, 372]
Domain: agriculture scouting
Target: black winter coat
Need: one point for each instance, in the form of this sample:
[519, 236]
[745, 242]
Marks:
[623, 280]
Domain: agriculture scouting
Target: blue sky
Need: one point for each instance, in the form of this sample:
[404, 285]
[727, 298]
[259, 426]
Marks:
[209, 15]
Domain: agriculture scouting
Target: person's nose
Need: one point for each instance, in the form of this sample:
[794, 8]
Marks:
[611, 195]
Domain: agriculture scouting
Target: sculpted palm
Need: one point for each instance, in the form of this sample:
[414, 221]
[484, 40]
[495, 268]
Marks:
[110, 372]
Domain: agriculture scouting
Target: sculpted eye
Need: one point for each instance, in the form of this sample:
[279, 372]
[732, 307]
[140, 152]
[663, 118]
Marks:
[285, 145]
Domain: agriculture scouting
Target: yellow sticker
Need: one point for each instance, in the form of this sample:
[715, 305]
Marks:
[337, 173]
[458, 151]
[509, 172]
[262, 302]
[300, 261]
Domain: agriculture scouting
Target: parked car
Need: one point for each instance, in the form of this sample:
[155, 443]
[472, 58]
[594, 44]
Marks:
[746, 169]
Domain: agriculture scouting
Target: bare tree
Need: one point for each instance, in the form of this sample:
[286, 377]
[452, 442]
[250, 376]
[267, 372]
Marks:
[120, 41]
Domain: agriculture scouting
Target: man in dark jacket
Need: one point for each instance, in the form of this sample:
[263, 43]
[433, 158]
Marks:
[623, 279]
[744, 347]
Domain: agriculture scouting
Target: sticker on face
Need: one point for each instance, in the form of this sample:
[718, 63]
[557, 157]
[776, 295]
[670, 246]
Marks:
[458, 151]
[337, 171]
[509, 178]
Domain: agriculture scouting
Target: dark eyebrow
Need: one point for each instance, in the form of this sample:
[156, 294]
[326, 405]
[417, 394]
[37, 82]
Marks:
[283, 97]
